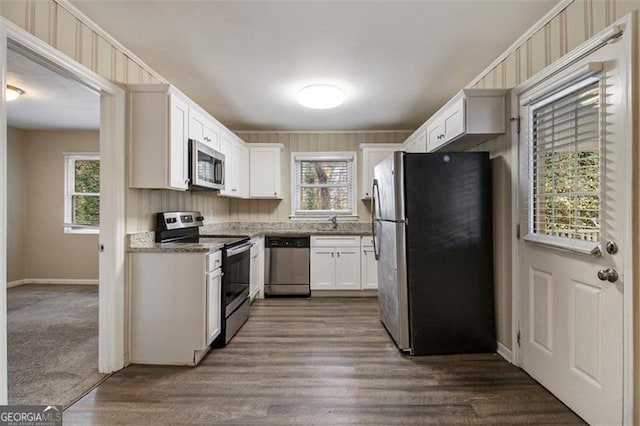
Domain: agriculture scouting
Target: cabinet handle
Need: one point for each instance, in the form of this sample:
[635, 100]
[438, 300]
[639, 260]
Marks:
[331, 254]
[186, 180]
[234, 190]
[275, 193]
[338, 254]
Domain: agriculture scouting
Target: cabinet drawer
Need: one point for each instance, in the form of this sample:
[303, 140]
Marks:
[367, 242]
[214, 260]
[335, 241]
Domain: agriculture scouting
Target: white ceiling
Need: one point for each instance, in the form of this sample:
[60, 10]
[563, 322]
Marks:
[244, 61]
[51, 101]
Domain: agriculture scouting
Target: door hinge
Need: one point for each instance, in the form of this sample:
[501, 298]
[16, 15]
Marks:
[518, 338]
[518, 231]
[517, 119]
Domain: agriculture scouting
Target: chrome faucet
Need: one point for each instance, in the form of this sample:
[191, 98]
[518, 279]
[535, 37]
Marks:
[334, 221]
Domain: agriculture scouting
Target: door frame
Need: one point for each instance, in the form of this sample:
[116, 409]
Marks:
[111, 298]
[629, 24]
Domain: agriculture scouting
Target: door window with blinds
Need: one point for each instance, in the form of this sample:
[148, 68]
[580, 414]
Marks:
[323, 184]
[565, 164]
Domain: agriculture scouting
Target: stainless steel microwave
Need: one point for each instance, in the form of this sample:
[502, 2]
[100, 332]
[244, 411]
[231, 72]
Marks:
[206, 167]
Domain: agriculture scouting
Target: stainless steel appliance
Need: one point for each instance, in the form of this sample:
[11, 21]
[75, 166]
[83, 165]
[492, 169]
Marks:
[432, 233]
[206, 167]
[183, 227]
[235, 288]
[287, 266]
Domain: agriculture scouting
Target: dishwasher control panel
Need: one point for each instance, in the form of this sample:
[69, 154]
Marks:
[282, 242]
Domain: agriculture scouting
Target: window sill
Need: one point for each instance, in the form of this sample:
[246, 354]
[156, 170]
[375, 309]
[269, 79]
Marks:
[574, 246]
[323, 218]
[68, 230]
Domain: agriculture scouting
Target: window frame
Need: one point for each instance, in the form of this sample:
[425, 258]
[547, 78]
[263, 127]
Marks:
[544, 96]
[69, 191]
[349, 156]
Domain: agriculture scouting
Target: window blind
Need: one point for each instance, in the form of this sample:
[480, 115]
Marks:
[566, 163]
[324, 185]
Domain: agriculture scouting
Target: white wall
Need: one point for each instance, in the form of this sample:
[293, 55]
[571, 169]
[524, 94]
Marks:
[16, 203]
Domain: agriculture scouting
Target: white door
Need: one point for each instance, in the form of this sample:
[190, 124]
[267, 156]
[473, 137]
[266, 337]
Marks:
[179, 143]
[265, 172]
[348, 268]
[196, 126]
[369, 269]
[574, 198]
[323, 268]
[214, 299]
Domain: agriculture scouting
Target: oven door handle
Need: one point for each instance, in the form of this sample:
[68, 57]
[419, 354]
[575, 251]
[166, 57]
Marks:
[236, 250]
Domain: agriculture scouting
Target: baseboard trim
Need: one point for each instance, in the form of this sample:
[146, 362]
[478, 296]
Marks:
[344, 293]
[504, 352]
[54, 281]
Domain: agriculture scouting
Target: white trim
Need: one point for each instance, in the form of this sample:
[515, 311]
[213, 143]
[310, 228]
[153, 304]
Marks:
[515, 223]
[328, 156]
[111, 300]
[4, 383]
[628, 24]
[504, 352]
[105, 35]
[271, 132]
[562, 5]
[52, 281]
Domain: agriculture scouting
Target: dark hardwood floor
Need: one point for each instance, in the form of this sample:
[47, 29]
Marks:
[321, 361]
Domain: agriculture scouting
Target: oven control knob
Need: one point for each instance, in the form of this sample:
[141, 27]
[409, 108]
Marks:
[199, 218]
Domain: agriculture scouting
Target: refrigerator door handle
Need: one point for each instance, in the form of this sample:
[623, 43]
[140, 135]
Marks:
[374, 191]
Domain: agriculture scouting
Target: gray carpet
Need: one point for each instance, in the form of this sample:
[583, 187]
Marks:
[52, 343]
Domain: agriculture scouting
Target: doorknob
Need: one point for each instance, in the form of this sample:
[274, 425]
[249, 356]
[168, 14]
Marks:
[612, 247]
[609, 274]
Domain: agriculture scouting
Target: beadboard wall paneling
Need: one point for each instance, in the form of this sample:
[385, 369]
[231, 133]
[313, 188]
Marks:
[60, 26]
[572, 26]
[279, 210]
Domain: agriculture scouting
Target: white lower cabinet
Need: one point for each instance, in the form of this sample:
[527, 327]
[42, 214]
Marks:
[256, 277]
[175, 306]
[369, 265]
[335, 262]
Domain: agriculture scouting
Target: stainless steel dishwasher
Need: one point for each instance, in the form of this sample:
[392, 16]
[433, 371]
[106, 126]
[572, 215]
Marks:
[287, 266]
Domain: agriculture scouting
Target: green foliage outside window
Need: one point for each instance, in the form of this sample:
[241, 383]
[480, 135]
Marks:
[86, 201]
[568, 201]
[324, 185]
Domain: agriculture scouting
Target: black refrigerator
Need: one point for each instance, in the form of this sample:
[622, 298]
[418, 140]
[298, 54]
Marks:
[432, 232]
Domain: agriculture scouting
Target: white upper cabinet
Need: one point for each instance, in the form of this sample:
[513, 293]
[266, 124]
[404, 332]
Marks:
[212, 134]
[159, 137]
[197, 125]
[265, 170]
[372, 154]
[161, 122]
[416, 142]
[468, 119]
[236, 165]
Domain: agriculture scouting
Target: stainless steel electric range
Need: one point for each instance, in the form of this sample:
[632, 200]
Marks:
[184, 227]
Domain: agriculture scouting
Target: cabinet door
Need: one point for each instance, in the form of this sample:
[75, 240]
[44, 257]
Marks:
[226, 147]
[214, 300]
[435, 136]
[369, 269]
[196, 125]
[348, 268]
[243, 171]
[454, 121]
[370, 159]
[212, 134]
[254, 269]
[323, 268]
[236, 168]
[265, 173]
[178, 143]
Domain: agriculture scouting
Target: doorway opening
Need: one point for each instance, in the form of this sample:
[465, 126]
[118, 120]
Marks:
[53, 186]
[110, 244]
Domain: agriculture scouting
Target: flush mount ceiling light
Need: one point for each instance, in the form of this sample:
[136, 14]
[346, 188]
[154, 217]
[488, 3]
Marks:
[320, 96]
[12, 93]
